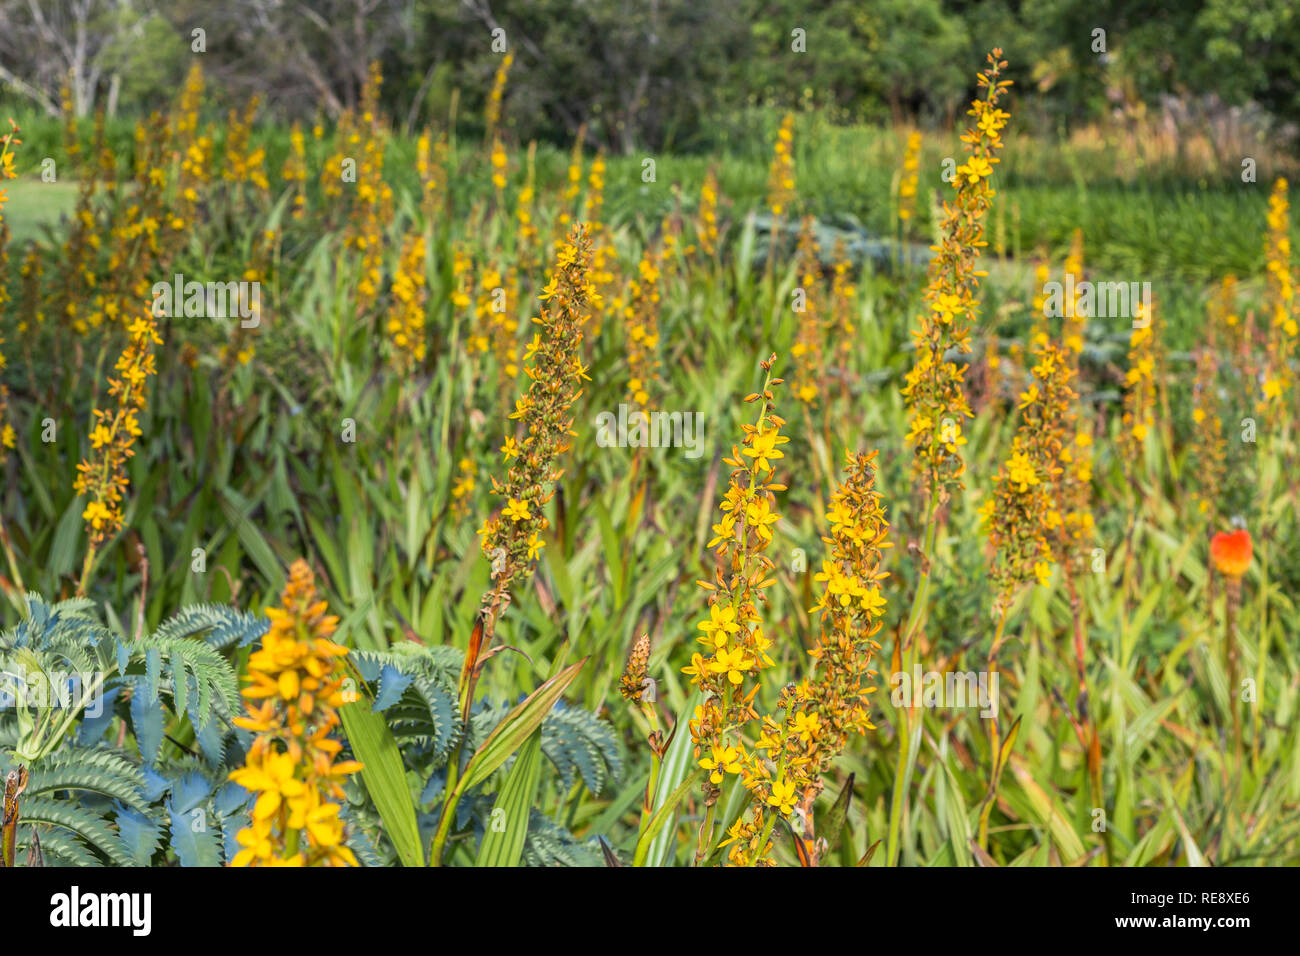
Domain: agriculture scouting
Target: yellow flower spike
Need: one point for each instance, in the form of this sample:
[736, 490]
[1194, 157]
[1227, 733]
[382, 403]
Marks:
[294, 786]
[832, 703]
[935, 387]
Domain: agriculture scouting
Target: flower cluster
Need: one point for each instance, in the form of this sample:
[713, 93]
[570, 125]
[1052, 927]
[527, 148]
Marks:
[908, 181]
[572, 189]
[195, 151]
[296, 689]
[1023, 514]
[135, 246]
[810, 334]
[635, 680]
[780, 176]
[1139, 417]
[512, 539]
[816, 717]
[102, 477]
[464, 484]
[7, 141]
[497, 322]
[1209, 449]
[526, 250]
[736, 646]
[935, 384]
[243, 164]
[500, 167]
[1076, 319]
[241, 348]
[1230, 551]
[492, 112]
[372, 205]
[1041, 328]
[405, 322]
[431, 166]
[1281, 304]
[706, 227]
[842, 322]
[641, 324]
[1074, 490]
[294, 170]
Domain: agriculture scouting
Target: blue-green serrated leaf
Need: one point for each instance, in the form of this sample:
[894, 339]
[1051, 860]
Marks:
[230, 798]
[211, 742]
[221, 626]
[392, 684]
[180, 682]
[152, 671]
[89, 826]
[138, 833]
[155, 784]
[189, 790]
[147, 721]
[195, 839]
[93, 727]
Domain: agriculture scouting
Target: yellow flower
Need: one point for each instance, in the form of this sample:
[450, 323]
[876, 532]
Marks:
[1021, 471]
[806, 725]
[722, 760]
[516, 510]
[721, 623]
[733, 663]
[763, 449]
[783, 796]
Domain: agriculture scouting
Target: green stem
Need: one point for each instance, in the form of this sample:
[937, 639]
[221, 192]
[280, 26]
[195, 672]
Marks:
[444, 827]
[705, 839]
[908, 645]
[655, 762]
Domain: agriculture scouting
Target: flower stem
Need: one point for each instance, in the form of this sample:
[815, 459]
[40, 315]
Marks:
[908, 645]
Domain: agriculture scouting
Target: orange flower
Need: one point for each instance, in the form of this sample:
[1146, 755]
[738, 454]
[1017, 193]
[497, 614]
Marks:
[1231, 552]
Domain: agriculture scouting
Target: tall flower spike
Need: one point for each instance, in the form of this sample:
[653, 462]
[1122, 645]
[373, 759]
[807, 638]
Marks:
[811, 322]
[492, 113]
[293, 699]
[815, 719]
[735, 645]
[1139, 417]
[935, 385]
[1023, 514]
[909, 178]
[512, 538]
[706, 228]
[102, 477]
[1280, 299]
[405, 323]
[641, 324]
[780, 176]
[7, 141]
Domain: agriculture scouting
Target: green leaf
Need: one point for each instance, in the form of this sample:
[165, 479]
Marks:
[676, 765]
[505, 847]
[509, 735]
[666, 810]
[384, 777]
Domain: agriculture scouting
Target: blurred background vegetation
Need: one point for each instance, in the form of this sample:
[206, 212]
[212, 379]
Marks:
[675, 75]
